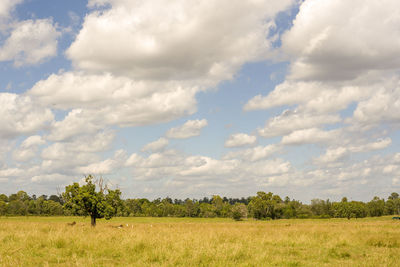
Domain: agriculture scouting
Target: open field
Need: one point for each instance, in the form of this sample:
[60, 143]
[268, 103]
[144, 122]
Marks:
[49, 241]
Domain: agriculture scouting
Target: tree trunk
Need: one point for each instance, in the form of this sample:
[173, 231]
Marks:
[93, 220]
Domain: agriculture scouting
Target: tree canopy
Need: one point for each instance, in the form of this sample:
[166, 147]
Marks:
[86, 200]
[97, 201]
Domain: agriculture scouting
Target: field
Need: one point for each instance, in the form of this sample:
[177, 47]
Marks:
[50, 241]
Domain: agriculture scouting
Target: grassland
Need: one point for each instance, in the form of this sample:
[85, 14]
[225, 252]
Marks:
[49, 241]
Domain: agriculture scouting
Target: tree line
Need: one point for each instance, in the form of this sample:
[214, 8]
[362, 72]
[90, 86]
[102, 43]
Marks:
[263, 206]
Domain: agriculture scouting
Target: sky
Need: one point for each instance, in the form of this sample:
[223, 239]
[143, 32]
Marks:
[192, 98]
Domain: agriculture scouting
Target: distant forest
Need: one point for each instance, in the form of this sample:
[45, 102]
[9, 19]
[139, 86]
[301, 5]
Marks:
[262, 206]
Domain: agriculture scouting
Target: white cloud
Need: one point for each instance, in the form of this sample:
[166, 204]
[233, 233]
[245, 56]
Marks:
[371, 146]
[338, 39]
[19, 115]
[22, 155]
[189, 129]
[100, 141]
[29, 148]
[101, 100]
[286, 93]
[207, 167]
[310, 136]
[5, 147]
[31, 42]
[382, 107]
[11, 173]
[89, 143]
[290, 121]
[201, 171]
[253, 154]
[261, 169]
[6, 11]
[50, 178]
[143, 62]
[6, 6]
[335, 63]
[70, 157]
[157, 145]
[74, 123]
[34, 140]
[106, 166]
[335, 154]
[175, 39]
[151, 59]
[321, 97]
[240, 139]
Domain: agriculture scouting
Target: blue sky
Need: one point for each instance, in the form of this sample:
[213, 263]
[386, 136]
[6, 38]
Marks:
[195, 98]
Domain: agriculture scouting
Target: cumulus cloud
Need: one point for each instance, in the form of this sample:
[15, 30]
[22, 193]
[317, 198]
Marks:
[106, 166]
[5, 147]
[29, 148]
[188, 129]
[6, 6]
[34, 140]
[75, 123]
[69, 157]
[335, 154]
[310, 136]
[381, 107]
[175, 39]
[110, 100]
[240, 139]
[196, 170]
[19, 115]
[143, 62]
[31, 42]
[6, 10]
[328, 74]
[371, 146]
[156, 145]
[43, 178]
[321, 97]
[316, 40]
[286, 93]
[147, 65]
[11, 173]
[337, 66]
[253, 154]
[290, 121]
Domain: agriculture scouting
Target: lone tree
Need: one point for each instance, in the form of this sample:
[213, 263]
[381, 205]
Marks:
[86, 201]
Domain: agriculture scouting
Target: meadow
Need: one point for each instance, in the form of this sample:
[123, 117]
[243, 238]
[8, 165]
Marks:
[50, 241]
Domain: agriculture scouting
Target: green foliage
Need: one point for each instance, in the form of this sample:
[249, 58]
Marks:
[3, 208]
[392, 205]
[376, 207]
[239, 211]
[3, 198]
[265, 206]
[85, 200]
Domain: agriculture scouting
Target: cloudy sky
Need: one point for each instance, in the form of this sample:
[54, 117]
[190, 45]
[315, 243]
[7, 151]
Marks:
[193, 98]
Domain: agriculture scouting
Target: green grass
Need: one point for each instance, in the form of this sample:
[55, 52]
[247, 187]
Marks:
[49, 241]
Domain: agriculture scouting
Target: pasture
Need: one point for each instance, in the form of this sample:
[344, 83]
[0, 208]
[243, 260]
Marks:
[50, 241]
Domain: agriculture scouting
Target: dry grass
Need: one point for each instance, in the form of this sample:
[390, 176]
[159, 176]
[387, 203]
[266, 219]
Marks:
[199, 242]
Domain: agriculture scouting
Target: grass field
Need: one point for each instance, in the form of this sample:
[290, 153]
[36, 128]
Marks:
[49, 241]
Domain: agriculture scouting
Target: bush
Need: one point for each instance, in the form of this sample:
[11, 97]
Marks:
[239, 211]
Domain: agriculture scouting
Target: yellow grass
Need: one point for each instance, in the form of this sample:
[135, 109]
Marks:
[199, 242]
